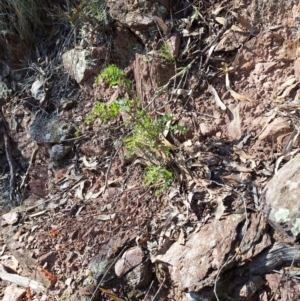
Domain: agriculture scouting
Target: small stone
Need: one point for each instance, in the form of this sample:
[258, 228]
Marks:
[251, 287]
[38, 91]
[58, 151]
[44, 130]
[140, 276]
[130, 259]
[11, 217]
[174, 44]
[13, 293]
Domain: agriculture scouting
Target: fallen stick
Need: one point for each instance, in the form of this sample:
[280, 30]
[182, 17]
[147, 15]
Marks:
[20, 280]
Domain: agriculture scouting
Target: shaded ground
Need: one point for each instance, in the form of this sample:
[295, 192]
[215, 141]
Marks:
[200, 236]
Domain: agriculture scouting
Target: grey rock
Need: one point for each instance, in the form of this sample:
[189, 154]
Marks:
[4, 92]
[52, 131]
[99, 265]
[4, 69]
[140, 276]
[82, 64]
[137, 19]
[38, 91]
[280, 199]
[59, 151]
[195, 265]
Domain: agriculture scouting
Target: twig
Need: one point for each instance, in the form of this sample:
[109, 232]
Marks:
[9, 158]
[32, 159]
[277, 286]
[109, 167]
[219, 272]
[145, 298]
[100, 282]
[162, 283]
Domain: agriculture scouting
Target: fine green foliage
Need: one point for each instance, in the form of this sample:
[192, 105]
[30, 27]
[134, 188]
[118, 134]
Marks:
[166, 53]
[159, 177]
[113, 76]
[106, 112]
[145, 135]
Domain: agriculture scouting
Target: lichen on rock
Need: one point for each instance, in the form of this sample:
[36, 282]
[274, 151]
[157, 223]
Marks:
[51, 131]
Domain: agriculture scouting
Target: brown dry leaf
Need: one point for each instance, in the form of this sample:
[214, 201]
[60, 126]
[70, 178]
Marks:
[92, 163]
[53, 232]
[234, 94]
[243, 21]
[51, 277]
[61, 174]
[167, 143]
[217, 10]
[182, 92]
[221, 20]
[28, 293]
[235, 127]
[220, 207]
[92, 195]
[288, 90]
[106, 217]
[289, 145]
[216, 97]
[181, 238]
[236, 28]
[79, 190]
[111, 294]
[3, 250]
[240, 254]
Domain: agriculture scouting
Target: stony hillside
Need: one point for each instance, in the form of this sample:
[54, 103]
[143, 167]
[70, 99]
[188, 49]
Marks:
[149, 150]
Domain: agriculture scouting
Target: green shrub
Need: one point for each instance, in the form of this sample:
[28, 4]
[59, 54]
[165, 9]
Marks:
[105, 112]
[158, 177]
[145, 135]
[113, 76]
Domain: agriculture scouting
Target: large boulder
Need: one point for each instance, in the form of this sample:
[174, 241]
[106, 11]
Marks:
[280, 199]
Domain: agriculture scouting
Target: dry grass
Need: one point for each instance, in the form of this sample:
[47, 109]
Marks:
[23, 16]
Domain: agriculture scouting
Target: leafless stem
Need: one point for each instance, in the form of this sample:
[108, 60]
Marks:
[162, 283]
[103, 277]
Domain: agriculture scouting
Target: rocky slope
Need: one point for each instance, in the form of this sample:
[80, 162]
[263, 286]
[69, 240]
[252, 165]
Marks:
[215, 89]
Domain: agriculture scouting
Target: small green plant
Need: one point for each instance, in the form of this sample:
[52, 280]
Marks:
[78, 132]
[159, 177]
[166, 53]
[113, 76]
[145, 136]
[106, 112]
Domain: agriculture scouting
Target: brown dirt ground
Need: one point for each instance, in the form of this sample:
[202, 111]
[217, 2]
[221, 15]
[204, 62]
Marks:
[68, 229]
